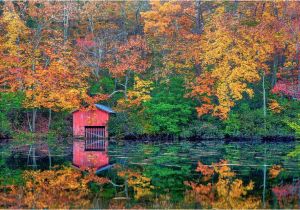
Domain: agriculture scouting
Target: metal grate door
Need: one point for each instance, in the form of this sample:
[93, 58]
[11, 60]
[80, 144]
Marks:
[94, 138]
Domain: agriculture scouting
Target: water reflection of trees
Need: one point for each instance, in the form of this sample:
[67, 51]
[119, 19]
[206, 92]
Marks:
[288, 195]
[228, 191]
[218, 186]
[140, 184]
[62, 188]
[213, 186]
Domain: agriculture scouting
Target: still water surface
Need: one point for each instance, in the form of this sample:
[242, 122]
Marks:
[185, 174]
[163, 175]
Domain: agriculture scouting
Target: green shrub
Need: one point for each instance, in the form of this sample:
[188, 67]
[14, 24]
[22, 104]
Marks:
[202, 129]
[61, 125]
[124, 124]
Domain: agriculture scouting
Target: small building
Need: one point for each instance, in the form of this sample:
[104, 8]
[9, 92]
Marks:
[92, 124]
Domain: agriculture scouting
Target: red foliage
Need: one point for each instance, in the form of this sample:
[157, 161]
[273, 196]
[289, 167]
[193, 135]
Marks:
[205, 169]
[85, 42]
[288, 89]
[287, 194]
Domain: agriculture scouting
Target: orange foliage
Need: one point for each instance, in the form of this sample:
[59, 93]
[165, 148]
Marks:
[63, 188]
[204, 169]
[40, 63]
[223, 169]
[174, 33]
[274, 106]
[129, 56]
[9, 197]
[227, 193]
[202, 194]
[275, 171]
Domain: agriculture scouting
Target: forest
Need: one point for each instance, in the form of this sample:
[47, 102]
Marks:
[170, 69]
[202, 103]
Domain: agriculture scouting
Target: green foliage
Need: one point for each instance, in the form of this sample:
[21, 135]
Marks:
[10, 103]
[168, 118]
[8, 176]
[295, 125]
[169, 172]
[168, 110]
[103, 85]
[61, 124]
[24, 137]
[202, 129]
[124, 124]
[5, 125]
[250, 122]
[296, 152]
[245, 122]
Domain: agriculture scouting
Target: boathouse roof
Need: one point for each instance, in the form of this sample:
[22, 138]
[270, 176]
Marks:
[105, 108]
[101, 107]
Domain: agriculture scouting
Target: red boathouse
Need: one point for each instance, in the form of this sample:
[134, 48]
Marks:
[91, 124]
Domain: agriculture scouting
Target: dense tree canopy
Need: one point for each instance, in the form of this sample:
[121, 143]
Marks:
[164, 65]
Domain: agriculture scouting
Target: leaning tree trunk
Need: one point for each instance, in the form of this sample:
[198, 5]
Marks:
[264, 99]
[34, 114]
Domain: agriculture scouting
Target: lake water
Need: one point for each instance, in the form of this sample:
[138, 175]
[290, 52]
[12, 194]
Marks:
[185, 174]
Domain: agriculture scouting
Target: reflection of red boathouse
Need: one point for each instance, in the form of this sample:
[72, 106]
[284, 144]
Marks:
[90, 154]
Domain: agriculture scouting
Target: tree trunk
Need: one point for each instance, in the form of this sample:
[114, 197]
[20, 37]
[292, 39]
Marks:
[34, 112]
[34, 158]
[199, 17]
[235, 7]
[264, 185]
[125, 85]
[29, 122]
[198, 30]
[50, 118]
[264, 99]
[50, 161]
[298, 62]
[123, 21]
[138, 27]
[91, 25]
[198, 69]
[66, 22]
[275, 70]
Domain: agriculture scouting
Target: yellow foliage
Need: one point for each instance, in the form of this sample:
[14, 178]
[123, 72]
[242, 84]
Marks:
[274, 106]
[138, 95]
[275, 171]
[63, 188]
[141, 184]
[233, 53]
[226, 193]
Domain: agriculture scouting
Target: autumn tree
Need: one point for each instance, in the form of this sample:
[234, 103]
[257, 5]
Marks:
[233, 57]
[49, 74]
[175, 29]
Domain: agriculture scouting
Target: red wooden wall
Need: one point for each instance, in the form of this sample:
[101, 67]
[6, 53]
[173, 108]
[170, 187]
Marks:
[91, 159]
[89, 118]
